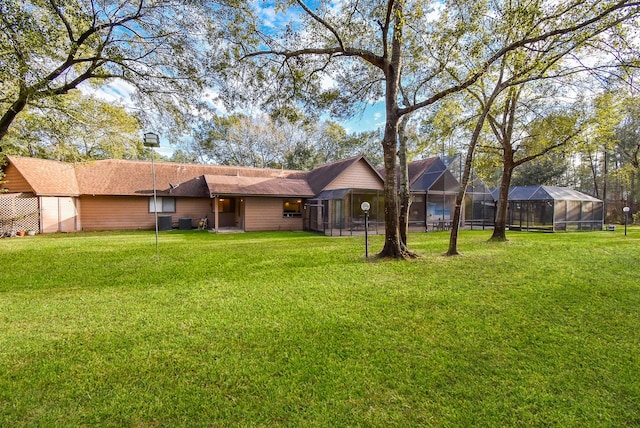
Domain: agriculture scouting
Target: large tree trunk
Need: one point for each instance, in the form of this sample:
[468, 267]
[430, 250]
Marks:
[391, 68]
[499, 231]
[457, 214]
[11, 113]
[392, 245]
[457, 211]
[404, 194]
[594, 174]
[505, 136]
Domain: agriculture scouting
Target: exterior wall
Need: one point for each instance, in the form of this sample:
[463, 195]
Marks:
[132, 212]
[193, 208]
[59, 214]
[268, 214]
[15, 182]
[357, 176]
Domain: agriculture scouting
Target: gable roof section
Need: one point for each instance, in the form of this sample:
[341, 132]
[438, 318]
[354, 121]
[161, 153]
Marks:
[47, 177]
[432, 166]
[431, 174]
[322, 176]
[257, 186]
[424, 173]
[130, 178]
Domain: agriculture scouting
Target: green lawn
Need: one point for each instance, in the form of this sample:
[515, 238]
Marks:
[298, 330]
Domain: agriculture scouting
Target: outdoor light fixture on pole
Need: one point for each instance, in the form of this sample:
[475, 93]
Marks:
[151, 140]
[365, 207]
[626, 216]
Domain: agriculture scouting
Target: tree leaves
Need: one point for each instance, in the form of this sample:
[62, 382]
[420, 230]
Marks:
[75, 128]
[288, 140]
[51, 47]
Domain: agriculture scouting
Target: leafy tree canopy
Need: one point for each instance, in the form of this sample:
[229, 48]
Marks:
[290, 140]
[74, 127]
[50, 47]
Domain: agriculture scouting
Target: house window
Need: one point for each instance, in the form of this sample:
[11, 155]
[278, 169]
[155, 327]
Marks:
[292, 208]
[165, 205]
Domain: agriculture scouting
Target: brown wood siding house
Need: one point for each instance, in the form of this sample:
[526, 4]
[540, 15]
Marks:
[118, 194]
[16, 183]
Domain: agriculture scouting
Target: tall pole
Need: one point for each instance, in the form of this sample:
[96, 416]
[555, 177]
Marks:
[155, 200]
[151, 140]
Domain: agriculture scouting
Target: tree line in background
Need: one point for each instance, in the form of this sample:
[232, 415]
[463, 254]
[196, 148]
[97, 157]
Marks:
[516, 86]
[288, 140]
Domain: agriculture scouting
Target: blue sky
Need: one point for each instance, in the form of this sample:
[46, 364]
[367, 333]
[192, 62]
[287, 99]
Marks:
[371, 119]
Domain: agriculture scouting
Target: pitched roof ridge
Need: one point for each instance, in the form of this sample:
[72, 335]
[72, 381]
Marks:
[417, 168]
[333, 164]
[34, 159]
[322, 175]
[199, 165]
[349, 159]
[47, 176]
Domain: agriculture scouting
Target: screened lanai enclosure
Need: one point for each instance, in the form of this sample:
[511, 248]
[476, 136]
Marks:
[433, 191]
[553, 209]
[339, 213]
[479, 206]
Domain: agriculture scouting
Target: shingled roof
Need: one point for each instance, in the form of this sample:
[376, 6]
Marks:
[415, 168]
[258, 186]
[134, 178]
[419, 167]
[322, 176]
[47, 177]
[120, 177]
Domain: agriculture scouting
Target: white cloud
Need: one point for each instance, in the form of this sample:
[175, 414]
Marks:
[371, 118]
[115, 91]
[435, 13]
[327, 82]
[270, 17]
